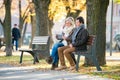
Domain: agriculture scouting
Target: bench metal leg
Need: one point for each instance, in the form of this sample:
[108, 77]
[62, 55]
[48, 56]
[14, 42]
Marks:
[21, 57]
[73, 57]
[96, 63]
[78, 60]
[35, 58]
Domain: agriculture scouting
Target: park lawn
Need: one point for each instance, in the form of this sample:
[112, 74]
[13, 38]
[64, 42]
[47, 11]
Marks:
[110, 70]
[26, 61]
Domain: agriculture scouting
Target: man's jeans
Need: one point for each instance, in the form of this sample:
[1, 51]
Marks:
[16, 43]
[54, 53]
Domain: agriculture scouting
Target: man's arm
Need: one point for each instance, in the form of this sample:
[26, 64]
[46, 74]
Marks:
[19, 33]
[82, 38]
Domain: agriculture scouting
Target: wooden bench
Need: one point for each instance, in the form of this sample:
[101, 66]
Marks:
[90, 53]
[40, 45]
[2, 43]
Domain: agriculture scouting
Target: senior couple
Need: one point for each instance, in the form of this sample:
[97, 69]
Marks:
[75, 37]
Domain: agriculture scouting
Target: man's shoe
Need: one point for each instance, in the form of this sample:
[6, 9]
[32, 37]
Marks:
[49, 60]
[72, 67]
[61, 68]
[54, 66]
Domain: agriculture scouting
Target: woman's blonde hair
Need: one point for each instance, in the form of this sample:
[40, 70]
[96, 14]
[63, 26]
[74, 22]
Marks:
[70, 19]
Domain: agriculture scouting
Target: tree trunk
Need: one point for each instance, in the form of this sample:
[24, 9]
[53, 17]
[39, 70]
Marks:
[20, 24]
[41, 9]
[96, 22]
[50, 31]
[7, 28]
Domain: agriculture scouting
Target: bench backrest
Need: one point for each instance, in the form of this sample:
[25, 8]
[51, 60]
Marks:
[91, 40]
[41, 40]
[41, 44]
[2, 42]
[91, 44]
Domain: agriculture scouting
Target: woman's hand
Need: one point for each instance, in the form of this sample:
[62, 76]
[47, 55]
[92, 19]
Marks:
[56, 36]
[64, 37]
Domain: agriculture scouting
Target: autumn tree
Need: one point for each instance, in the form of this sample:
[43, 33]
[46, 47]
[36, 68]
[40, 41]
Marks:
[65, 8]
[41, 10]
[96, 23]
[23, 15]
[117, 1]
[33, 21]
[6, 22]
[7, 27]
[74, 7]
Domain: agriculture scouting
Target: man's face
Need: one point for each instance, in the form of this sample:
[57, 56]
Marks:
[77, 23]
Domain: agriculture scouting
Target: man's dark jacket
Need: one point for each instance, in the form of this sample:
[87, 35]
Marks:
[80, 42]
[16, 33]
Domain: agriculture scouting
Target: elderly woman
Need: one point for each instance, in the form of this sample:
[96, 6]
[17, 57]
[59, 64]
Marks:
[67, 28]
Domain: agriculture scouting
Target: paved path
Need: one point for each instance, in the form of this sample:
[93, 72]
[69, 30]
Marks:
[8, 72]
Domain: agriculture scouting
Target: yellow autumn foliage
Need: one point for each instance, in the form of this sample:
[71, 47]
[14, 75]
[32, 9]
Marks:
[57, 8]
[117, 1]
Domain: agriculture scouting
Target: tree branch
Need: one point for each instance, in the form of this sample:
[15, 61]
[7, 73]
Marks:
[47, 2]
[25, 18]
[26, 11]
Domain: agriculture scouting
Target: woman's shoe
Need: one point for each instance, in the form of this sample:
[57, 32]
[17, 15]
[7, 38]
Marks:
[54, 66]
[49, 60]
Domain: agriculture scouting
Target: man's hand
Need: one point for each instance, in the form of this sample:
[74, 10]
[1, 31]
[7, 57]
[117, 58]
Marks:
[70, 45]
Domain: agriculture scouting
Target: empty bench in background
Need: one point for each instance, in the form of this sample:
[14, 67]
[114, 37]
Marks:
[2, 43]
[90, 53]
[40, 45]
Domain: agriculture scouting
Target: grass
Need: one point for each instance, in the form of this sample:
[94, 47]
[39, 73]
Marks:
[114, 74]
[111, 70]
[27, 61]
[14, 60]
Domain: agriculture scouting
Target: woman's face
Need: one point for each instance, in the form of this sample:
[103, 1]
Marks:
[67, 23]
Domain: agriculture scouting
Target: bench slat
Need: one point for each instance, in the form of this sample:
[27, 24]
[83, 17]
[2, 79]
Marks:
[39, 43]
[25, 49]
[40, 40]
